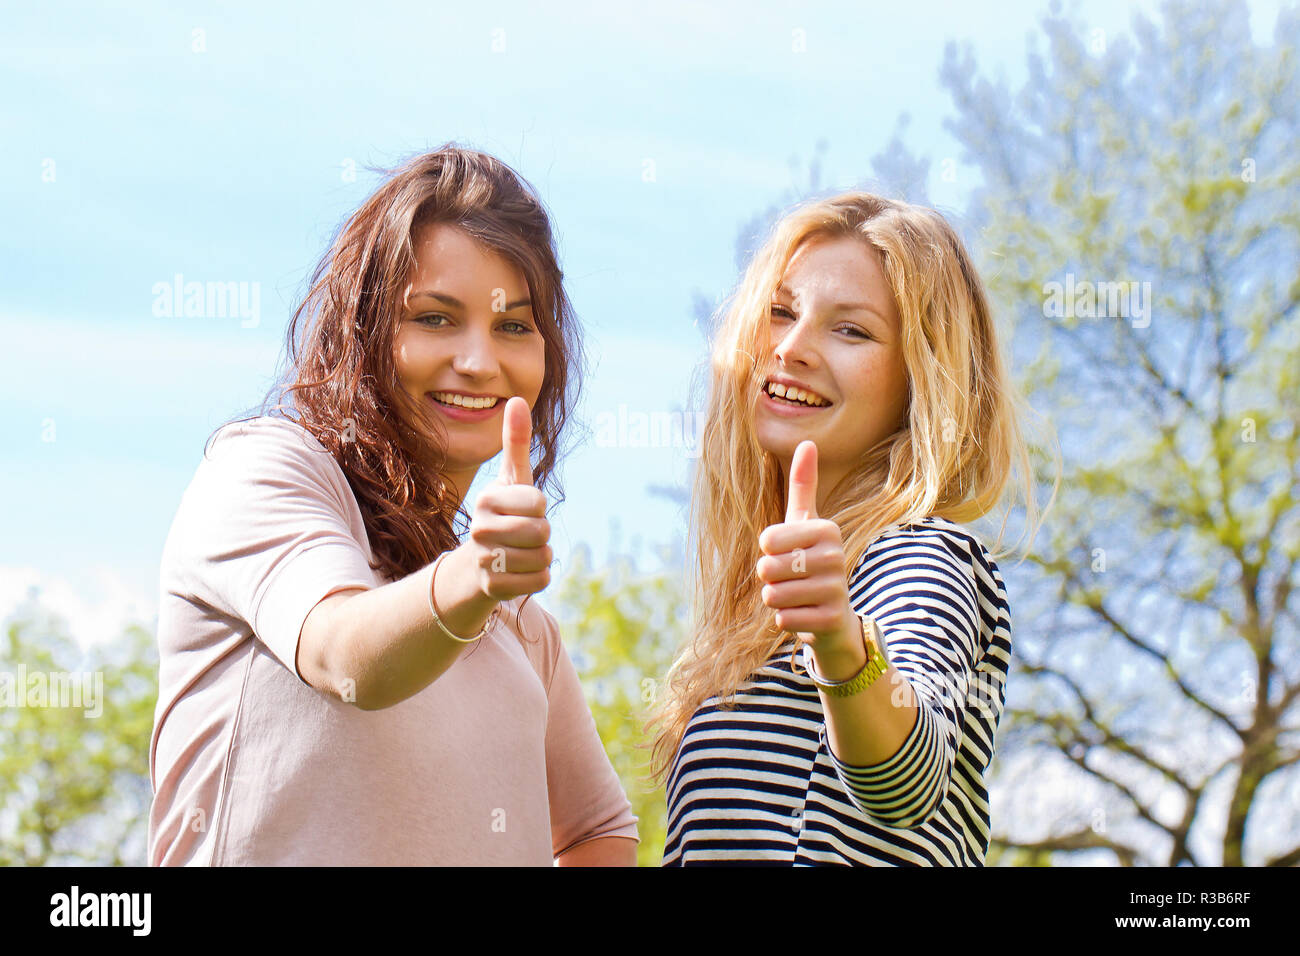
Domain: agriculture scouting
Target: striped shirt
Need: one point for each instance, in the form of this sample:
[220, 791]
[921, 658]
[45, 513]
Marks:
[758, 784]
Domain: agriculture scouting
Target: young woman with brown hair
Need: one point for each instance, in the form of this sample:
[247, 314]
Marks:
[344, 678]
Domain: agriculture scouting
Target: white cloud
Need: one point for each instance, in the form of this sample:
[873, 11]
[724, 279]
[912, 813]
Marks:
[96, 607]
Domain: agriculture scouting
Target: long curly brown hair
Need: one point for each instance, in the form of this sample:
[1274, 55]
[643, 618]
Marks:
[340, 376]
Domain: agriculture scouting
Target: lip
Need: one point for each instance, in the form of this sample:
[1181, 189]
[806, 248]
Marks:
[459, 414]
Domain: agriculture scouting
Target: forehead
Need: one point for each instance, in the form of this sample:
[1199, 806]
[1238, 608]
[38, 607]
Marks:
[839, 270]
[447, 251]
[833, 260]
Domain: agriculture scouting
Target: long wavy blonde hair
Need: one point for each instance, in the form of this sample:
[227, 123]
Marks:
[952, 456]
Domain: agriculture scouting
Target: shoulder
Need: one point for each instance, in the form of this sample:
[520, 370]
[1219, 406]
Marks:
[932, 530]
[945, 540]
[262, 433]
[945, 553]
[268, 447]
[929, 538]
[262, 473]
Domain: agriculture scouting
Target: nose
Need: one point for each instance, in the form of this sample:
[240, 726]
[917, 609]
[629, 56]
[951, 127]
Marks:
[475, 355]
[796, 344]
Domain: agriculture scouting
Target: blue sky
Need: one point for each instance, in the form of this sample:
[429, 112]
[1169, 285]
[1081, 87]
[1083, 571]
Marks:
[214, 141]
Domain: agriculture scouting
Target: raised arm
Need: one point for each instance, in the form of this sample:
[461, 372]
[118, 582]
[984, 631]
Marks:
[377, 647]
[895, 742]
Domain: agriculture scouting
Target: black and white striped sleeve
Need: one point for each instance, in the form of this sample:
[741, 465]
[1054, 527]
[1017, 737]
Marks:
[924, 598]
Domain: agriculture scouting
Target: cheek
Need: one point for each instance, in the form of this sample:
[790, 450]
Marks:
[886, 379]
[412, 359]
[877, 387]
[532, 369]
[862, 382]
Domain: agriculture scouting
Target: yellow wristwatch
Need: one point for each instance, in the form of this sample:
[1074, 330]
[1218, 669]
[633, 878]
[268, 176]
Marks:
[876, 664]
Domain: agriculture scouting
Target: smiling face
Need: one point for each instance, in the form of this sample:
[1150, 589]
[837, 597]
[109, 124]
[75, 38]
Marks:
[467, 341]
[836, 336]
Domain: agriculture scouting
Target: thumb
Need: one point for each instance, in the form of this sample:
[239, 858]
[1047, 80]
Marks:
[516, 439]
[801, 503]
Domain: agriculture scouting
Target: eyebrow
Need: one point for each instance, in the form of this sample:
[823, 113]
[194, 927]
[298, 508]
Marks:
[455, 302]
[842, 306]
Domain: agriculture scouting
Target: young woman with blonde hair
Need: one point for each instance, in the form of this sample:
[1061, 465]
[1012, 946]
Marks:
[336, 683]
[839, 699]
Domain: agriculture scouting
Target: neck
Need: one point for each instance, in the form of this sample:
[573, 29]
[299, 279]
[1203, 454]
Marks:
[458, 483]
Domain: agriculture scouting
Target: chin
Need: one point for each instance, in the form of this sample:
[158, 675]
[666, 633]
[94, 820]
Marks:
[781, 444]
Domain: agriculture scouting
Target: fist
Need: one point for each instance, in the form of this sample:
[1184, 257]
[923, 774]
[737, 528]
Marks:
[508, 533]
[802, 568]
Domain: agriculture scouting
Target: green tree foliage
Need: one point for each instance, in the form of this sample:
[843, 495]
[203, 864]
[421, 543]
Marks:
[74, 780]
[622, 628]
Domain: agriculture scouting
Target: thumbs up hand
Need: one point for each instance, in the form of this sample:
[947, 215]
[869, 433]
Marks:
[802, 568]
[516, 439]
[508, 533]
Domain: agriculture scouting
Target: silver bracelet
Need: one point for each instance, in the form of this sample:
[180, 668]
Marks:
[437, 619]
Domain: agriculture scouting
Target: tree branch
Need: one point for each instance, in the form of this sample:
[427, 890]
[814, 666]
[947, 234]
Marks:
[1108, 739]
[1098, 606]
[1290, 858]
[1085, 839]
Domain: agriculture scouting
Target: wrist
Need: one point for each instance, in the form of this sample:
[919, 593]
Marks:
[843, 643]
[842, 655]
[463, 607]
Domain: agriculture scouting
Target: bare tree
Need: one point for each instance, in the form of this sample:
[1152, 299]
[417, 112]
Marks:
[1138, 212]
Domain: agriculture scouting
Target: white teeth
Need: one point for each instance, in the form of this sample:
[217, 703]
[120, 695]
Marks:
[796, 395]
[464, 401]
